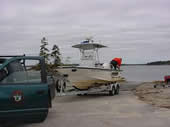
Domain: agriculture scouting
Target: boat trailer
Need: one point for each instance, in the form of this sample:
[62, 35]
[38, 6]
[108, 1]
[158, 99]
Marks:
[112, 88]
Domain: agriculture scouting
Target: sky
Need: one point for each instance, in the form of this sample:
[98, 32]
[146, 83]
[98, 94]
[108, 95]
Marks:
[136, 30]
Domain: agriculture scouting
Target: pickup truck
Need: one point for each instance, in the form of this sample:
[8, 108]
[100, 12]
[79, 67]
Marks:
[26, 91]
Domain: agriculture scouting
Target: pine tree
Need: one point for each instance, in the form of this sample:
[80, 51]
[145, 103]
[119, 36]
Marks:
[44, 50]
[55, 54]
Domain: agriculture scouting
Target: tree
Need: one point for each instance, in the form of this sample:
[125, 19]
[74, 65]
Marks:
[44, 50]
[55, 54]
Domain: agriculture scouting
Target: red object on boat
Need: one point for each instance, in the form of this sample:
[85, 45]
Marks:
[118, 60]
[167, 78]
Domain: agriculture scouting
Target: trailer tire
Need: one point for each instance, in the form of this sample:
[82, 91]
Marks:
[58, 86]
[117, 90]
[154, 86]
[64, 86]
[112, 91]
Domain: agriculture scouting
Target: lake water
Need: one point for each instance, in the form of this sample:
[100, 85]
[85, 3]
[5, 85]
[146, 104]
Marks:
[145, 73]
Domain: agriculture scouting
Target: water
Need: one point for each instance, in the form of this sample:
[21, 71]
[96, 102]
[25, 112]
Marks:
[145, 73]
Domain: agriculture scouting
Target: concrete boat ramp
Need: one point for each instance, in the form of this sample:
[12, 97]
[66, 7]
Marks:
[123, 110]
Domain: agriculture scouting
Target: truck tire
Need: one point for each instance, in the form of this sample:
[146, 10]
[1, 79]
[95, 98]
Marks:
[50, 101]
[44, 118]
[37, 119]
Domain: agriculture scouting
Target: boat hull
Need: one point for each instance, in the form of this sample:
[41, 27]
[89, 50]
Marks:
[84, 78]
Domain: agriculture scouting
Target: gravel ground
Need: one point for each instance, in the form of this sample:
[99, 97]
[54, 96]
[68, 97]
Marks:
[159, 96]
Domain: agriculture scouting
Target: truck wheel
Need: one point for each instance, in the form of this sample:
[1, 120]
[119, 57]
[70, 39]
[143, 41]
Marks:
[112, 91]
[117, 90]
[43, 118]
[37, 119]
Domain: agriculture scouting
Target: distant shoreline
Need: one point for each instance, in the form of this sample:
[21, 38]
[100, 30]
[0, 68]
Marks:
[134, 64]
[159, 63]
[125, 64]
[144, 64]
[150, 63]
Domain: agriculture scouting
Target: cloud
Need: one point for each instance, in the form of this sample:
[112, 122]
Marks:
[138, 31]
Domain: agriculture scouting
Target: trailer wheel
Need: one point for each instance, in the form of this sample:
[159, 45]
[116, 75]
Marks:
[117, 90]
[112, 91]
[155, 86]
[58, 86]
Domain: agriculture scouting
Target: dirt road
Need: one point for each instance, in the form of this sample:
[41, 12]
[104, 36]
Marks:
[123, 110]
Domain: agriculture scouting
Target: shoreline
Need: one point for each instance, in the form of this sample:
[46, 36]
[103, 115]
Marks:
[159, 97]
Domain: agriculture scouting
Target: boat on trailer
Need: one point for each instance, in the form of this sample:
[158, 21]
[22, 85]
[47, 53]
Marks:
[90, 73]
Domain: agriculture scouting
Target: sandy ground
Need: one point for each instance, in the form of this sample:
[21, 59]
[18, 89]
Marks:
[159, 96]
[123, 110]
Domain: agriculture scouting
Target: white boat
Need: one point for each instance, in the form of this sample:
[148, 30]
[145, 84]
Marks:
[90, 73]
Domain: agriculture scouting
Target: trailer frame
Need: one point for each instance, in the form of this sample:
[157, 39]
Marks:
[112, 88]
